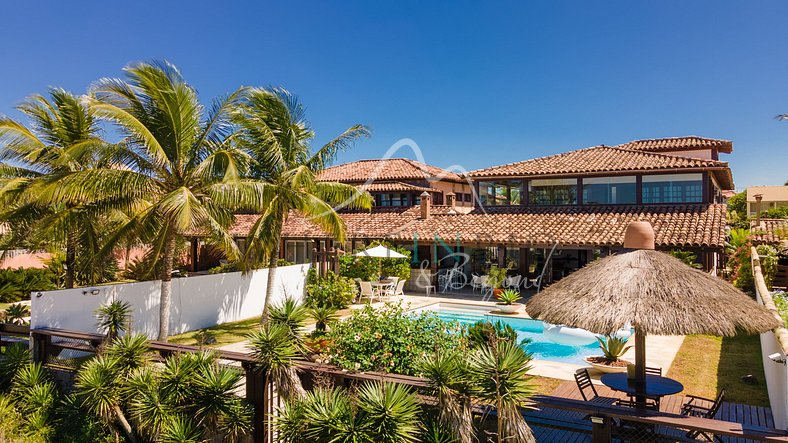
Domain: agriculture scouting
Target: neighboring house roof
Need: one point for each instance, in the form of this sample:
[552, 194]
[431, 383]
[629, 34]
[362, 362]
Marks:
[386, 170]
[770, 193]
[695, 225]
[772, 231]
[601, 160]
[688, 143]
[396, 187]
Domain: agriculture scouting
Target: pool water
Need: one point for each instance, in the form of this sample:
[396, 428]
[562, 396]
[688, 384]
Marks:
[541, 347]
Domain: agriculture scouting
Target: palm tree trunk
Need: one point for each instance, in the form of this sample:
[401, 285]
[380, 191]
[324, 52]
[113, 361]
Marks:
[273, 262]
[71, 258]
[166, 286]
[124, 424]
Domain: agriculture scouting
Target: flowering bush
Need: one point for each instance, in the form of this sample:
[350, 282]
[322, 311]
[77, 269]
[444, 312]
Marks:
[389, 339]
[331, 291]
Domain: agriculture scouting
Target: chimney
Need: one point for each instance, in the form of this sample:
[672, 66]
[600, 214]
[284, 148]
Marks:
[451, 200]
[758, 198]
[639, 235]
[426, 202]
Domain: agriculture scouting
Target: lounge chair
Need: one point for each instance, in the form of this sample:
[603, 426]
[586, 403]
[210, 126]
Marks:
[695, 408]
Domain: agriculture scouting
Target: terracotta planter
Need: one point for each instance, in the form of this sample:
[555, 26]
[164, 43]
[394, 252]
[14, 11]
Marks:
[509, 309]
[497, 292]
[605, 368]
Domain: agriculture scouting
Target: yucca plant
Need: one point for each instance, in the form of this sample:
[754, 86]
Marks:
[291, 314]
[17, 314]
[113, 318]
[447, 376]
[323, 315]
[99, 384]
[180, 429]
[15, 357]
[276, 352]
[613, 348]
[390, 410]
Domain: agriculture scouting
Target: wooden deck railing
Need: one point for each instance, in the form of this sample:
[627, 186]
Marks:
[595, 419]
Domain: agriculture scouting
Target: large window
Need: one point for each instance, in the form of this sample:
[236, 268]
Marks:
[298, 251]
[559, 191]
[673, 188]
[501, 193]
[392, 199]
[609, 190]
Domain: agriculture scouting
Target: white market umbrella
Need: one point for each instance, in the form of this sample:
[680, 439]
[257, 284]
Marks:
[380, 251]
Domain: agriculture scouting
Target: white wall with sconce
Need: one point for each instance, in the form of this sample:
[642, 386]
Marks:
[197, 301]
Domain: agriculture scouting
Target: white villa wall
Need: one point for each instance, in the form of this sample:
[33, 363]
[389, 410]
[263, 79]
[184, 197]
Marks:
[197, 301]
[773, 342]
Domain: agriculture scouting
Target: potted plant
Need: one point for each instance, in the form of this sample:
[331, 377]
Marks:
[507, 301]
[612, 350]
[495, 278]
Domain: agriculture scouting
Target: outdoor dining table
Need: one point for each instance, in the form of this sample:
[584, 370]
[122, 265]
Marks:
[655, 387]
[382, 285]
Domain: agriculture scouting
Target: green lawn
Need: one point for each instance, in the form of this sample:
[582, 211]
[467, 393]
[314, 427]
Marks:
[705, 364]
[225, 334]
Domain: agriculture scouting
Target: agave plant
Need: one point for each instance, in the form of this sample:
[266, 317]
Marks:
[613, 348]
[17, 313]
[113, 318]
[509, 297]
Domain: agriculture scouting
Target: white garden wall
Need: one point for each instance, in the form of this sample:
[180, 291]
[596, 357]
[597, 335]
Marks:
[197, 301]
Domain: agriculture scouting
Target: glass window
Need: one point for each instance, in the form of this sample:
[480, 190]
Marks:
[609, 190]
[559, 191]
[673, 188]
[298, 251]
[392, 199]
[468, 197]
[500, 193]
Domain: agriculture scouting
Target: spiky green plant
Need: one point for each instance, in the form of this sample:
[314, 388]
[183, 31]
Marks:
[180, 429]
[113, 318]
[613, 348]
[275, 131]
[128, 352]
[276, 352]
[390, 410]
[99, 384]
[17, 313]
[291, 314]
[509, 296]
[499, 373]
[15, 357]
[323, 316]
[437, 432]
[447, 376]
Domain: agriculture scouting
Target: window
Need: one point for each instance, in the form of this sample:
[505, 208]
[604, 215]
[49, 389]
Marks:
[673, 188]
[468, 197]
[500, 193]
[392, 199]
[559, 191]
[298, 251]
[609, 190]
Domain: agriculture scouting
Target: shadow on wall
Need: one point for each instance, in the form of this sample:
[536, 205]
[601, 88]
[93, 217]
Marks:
[197, 302]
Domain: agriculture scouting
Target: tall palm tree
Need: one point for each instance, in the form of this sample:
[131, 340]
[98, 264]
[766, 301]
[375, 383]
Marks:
[177, 165]
[275, 132]
[63, 136]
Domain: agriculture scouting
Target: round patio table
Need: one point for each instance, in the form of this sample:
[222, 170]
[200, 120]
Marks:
[655, 387]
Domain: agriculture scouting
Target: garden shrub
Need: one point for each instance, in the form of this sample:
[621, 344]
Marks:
[332, 291]
[390, 339]
[224, 268]
[17, 284]
[781, 301]
[367, 268]
[740, 262]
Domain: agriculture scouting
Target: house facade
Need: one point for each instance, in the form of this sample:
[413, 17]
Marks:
[540, 217]
[771, 197]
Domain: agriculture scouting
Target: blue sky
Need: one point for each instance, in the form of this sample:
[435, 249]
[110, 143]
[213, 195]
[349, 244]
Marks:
[473, 83]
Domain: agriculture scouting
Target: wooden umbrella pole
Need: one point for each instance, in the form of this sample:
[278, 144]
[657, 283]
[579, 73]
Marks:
[640, 365]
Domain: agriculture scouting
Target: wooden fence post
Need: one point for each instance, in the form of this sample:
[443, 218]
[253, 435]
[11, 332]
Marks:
[601, 429]
[255, 395]
[40, 347]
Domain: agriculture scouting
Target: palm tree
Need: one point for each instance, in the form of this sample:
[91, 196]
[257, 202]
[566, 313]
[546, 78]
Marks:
[275, 132]
[63, 137]
[177, 166]
[499, 373]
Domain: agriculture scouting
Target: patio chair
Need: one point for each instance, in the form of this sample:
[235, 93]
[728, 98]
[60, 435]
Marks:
[398, 290]
[367, 290]
[588, 391]
[513, 282]
[476, 282]
[694, 408]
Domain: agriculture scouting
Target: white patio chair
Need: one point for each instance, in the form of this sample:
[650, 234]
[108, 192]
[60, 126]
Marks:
[367, 290]
[476, 282]
[487, 289]
[398, 290]
[513, 282]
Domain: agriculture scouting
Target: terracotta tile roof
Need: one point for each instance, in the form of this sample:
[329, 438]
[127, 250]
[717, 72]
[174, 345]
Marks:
[688, 143]
[397, 186]
[385, 170]
[596, 160]
[699, 225]
[773, 231]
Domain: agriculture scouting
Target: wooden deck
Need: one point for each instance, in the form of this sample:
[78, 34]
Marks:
[557, 425]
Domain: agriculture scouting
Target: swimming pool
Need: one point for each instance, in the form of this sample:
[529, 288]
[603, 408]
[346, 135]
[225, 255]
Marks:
[540, 346]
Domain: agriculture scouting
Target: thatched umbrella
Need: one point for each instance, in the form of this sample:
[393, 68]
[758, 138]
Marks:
[654, 292]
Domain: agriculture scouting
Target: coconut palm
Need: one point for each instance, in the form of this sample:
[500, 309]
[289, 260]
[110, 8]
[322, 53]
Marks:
[499, 373]
[275, 132]
[62, 137]
[177, 166]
